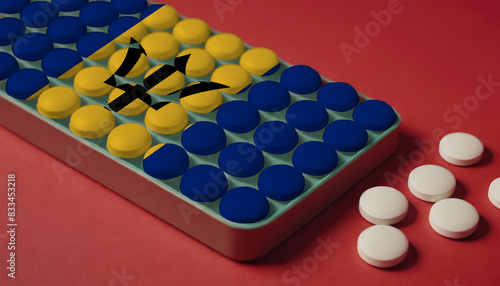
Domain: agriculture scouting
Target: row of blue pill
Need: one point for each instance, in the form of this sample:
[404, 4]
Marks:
[26, 8]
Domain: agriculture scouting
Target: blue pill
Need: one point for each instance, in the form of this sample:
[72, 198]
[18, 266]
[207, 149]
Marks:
[129, 6]
[301, 79]
[276, 137]
[39, 14]
[315, 158]
[121, 25]
[59, 61]
[307, 115]
[32, 47]
[281, 182]
[9, 65]
[374, 115]
[338, 96]
[204, 138]
[244, 205]
[241, 159]
[92, 42]
[168, 162]
[269, 96]
[66, 30]
[10, 30]
[69, 5]
[98, 14]
[345, 136]
[238, 116]
[203, 183]
[25, 83]
[13, 6]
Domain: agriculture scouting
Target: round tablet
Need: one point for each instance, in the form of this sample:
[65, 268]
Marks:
[96, 46]
[307, 115]
[91, 81]
[192, 31]
[269, 96]
[66, 30]
[174, 82]
[338, 96]
[203, 138]
[26, 84]
[58, 102]
[136, 107]
[168, 119]
[494, 193]
[203, 102]
[129, 6]
[315, 158]
[301, 79]
[165, 161]
[461, 149]
[453, 218]
[69, 6]
[129, 140]
[39, 14]
[159, 17]
[92, 121]
[9, 65]
[374, 115]
[260, 61]
[383, 205]
[431, 183]
[241, 160]
[10, 30]
[276, 137]
[98, 14]
[225, 46]
[281, 182]
[234, 76]
[117, 60]
[62, 63]
[383, 246]
[160, 45]
[13, 7]
[200, 63]
[127, 27]
[203, 183]
[238, 116]
[345, 136]
[32, 47]
[244, 205]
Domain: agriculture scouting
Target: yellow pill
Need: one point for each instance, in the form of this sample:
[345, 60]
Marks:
[192, 31]
[138, 31]
[72, 72]
[104, 52]
[168, 119]
[58, 102]
[225, 46]
[91, 81]
[92, 121]
[38, 93]
[160, 45]
[162, 19]
[203, 102]
[174, 82]
[234, 76]
[260, 61]
[136, 107]
[129, 140]
[116, 60]
[200, 62]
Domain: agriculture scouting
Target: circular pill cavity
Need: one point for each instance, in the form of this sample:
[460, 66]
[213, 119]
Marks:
[301, 79]
[461, 149]
[92, 121]
[338, 96]
[281, 182]
[225, 46]
[307, 115]
[91, 81]
[58, 102]
[98, 14]
[244, 205]
[168, 48]
[238, 116]
[431, 183]
[315, 158]
[374, 115]
[129, 140]
[13, 7]
[127, 27]
[32, 47]
[39, 14]
[203, 183]
[66, 30]
[383, 246]
[275, 137]
[62, 63]
[203, 138]
[69, 6]
[117, 60]
[200, 63]
[10, 30]
[383, 205]
[159, 17]
[96, 46]
[234, 76]
[454, 218]
[241, 160]
[494, 192]
[269, 96]
[172, 83]
[165, 161]
[9, 65]
[136, 107]
[191, 31]
[260, 61]
[129, 6]
[27, 84]
[345, 136]
[203, 102]
[170, 118]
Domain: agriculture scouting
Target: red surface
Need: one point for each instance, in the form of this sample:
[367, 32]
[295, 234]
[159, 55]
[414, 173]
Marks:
[426, 61]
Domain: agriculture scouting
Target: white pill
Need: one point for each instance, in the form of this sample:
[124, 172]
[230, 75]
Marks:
[382, 246]
[431, 183]
[494, 193]
[453, 218]
[461, 149]
[383, 205]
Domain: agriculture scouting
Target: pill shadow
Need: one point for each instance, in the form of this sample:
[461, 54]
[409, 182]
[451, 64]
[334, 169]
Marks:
[459, 192]
[481, 231]
[486, 159]
[409, 261]
[410, 217]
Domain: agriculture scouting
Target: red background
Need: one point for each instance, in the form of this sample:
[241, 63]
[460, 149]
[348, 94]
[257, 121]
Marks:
[74, 231]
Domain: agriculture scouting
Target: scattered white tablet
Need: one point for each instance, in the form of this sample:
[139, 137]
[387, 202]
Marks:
[382, 246]
[431, 183]
[383, 205]
[453, 218]
[461, 149]
[494, 192]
